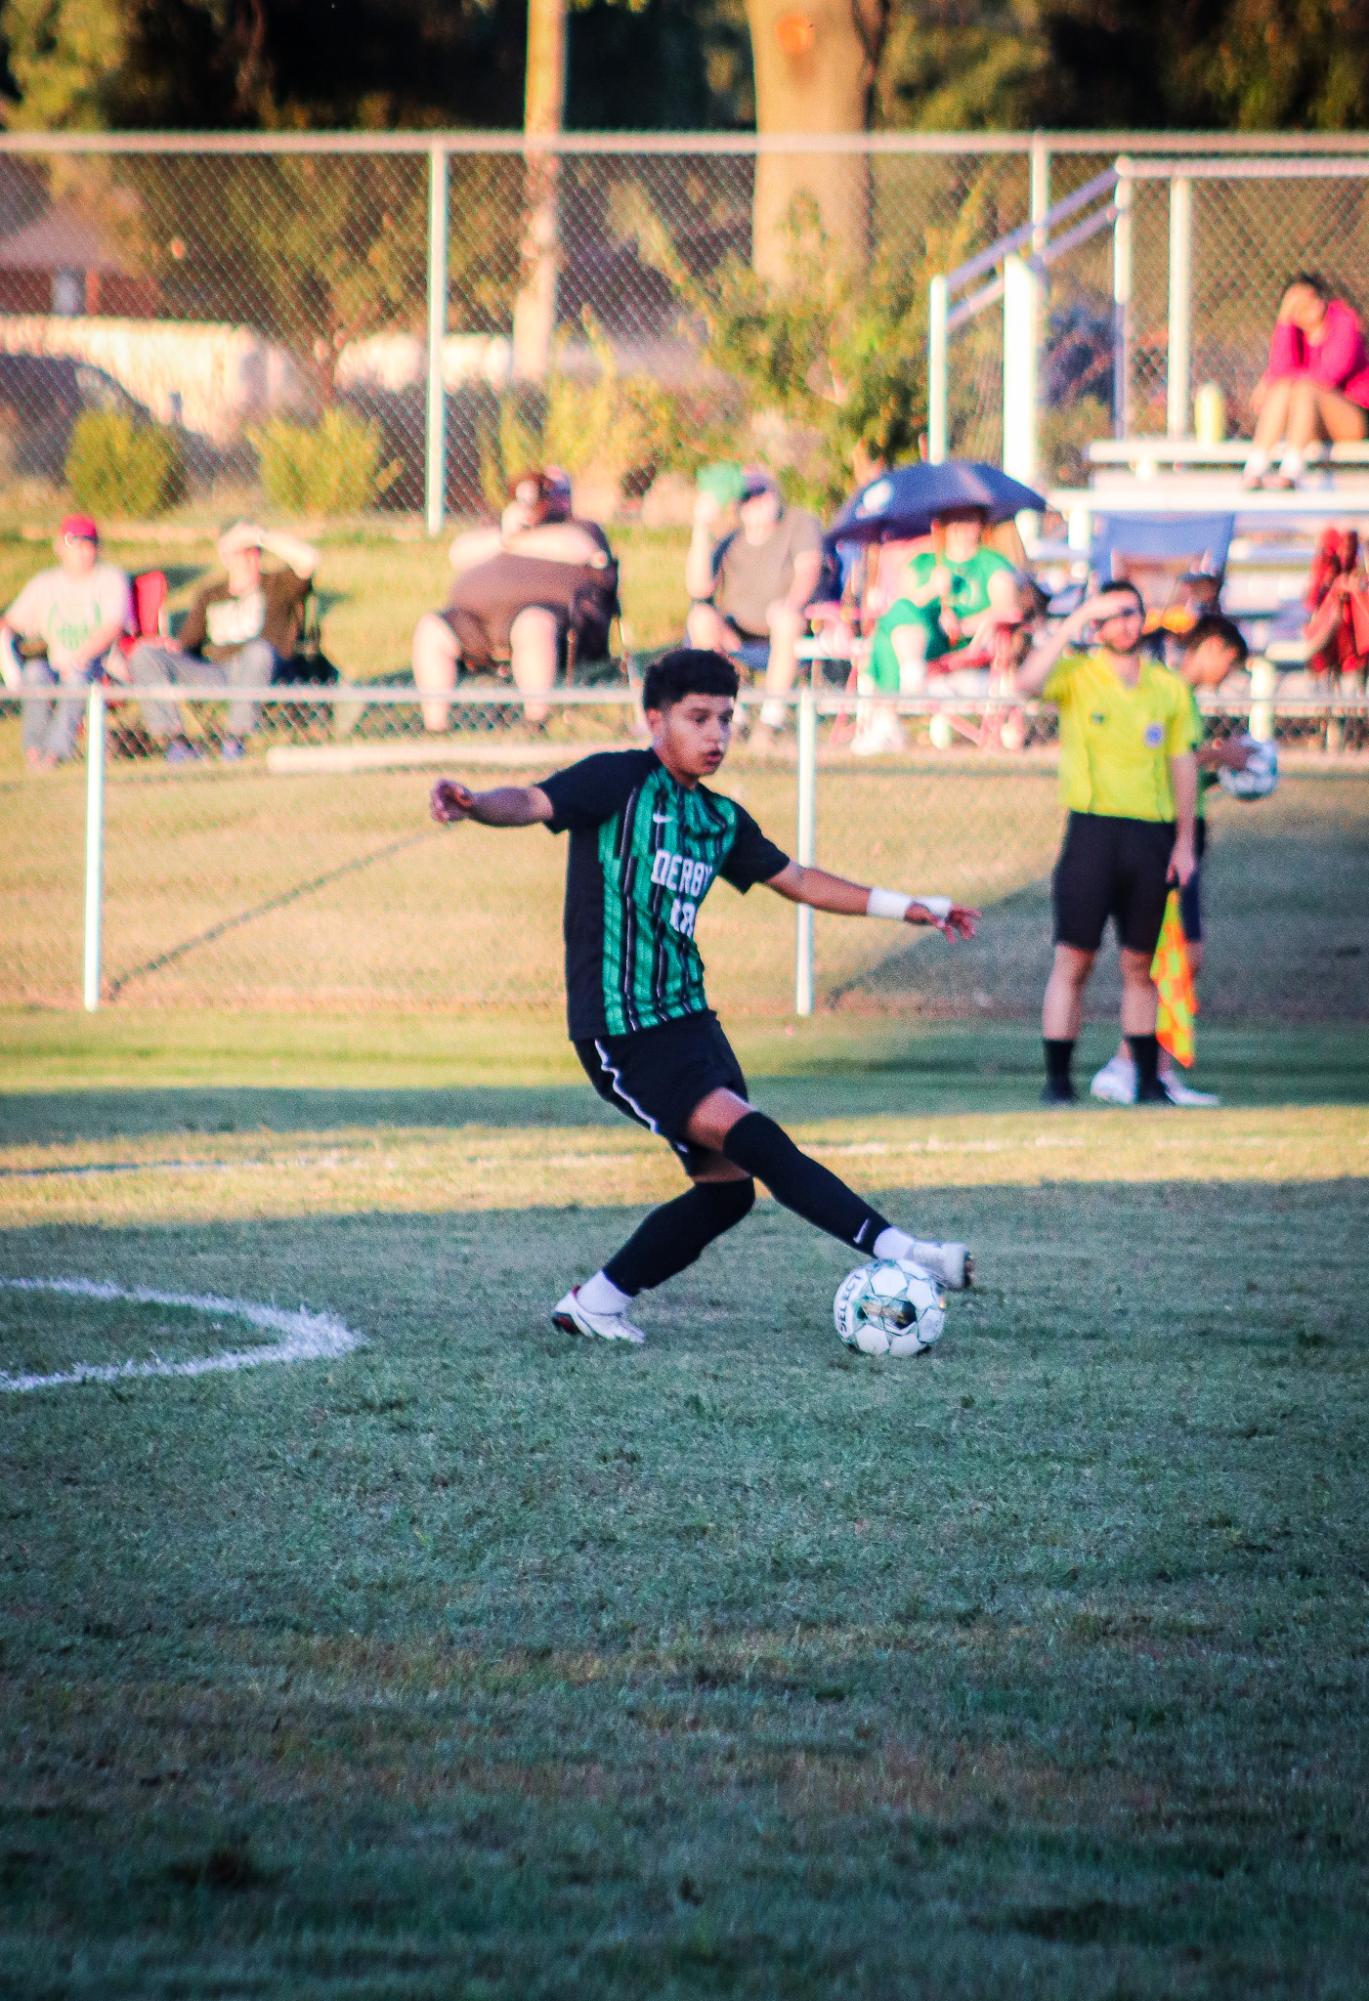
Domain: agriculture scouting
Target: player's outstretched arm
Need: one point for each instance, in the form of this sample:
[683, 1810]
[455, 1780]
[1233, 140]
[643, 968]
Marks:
[823, 891]
[502, 806]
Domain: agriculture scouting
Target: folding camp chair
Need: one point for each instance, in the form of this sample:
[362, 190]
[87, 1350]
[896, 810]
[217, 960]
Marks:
[1157, 551]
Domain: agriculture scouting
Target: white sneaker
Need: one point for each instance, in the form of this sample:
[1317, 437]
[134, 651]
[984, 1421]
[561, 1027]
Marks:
[572, 1318]
[1180, 1093]
[951, 1263]
[1115, 1083]
[878, 733]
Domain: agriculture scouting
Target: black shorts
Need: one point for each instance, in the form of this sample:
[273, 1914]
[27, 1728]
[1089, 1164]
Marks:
[1191, 895]
[485, 647]
[1111, 868]
[660, 1076]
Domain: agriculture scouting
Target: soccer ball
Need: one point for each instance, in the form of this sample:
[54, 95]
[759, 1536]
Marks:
[1260, 775]
[890, 1307]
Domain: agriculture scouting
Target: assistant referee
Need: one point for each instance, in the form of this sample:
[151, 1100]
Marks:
[1129, 777]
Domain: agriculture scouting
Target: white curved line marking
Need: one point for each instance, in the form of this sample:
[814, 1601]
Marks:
[303, 1336]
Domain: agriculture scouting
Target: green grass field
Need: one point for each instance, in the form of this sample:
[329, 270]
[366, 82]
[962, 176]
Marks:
[478, 1662]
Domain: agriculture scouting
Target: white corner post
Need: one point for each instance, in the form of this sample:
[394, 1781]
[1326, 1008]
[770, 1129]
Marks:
[1022, 289]
[805, 841]
[938, 398]
[1121, 302]
[95, 847]
[1180, 382]
[1264, 680]
[435, 446]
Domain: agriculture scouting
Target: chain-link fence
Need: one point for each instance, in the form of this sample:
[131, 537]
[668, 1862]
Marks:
[457, 303]
[309, 875]
[1168, 278]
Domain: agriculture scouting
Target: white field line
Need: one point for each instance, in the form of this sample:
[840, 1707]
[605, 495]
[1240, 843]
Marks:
[302, 1336]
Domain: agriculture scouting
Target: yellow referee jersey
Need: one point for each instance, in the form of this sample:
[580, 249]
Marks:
[1116, 741]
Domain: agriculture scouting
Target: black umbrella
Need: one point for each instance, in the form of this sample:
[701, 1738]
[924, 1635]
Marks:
[906, 501]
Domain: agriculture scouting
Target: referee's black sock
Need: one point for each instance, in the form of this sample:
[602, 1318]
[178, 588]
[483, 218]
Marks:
[1145, 1054]
[1059, 1057]
[803, 1185]
[674, 1235]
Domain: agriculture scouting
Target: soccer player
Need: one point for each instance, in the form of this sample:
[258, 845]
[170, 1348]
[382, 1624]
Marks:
[1129, 778]
[647, 840]
[1212, 648]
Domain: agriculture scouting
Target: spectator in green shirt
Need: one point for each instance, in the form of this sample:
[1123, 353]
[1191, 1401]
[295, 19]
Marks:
[950, 592]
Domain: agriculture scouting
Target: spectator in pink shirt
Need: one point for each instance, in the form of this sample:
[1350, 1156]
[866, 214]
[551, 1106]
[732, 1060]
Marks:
[1316, 384]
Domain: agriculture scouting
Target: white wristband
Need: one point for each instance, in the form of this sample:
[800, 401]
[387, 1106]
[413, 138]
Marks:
[893, 903]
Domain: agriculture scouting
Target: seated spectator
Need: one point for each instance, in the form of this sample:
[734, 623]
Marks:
[1316, 385]
[523, 592]
[240, 629]
[953, 597]
[751, 589]
[1337, 602]
[71, 617]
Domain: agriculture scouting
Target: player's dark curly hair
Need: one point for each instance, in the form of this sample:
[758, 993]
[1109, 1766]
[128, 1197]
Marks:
[1213, 625]
[689, 670]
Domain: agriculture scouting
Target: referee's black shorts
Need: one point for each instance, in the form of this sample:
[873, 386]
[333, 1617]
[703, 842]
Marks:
[1111, 868]
[660, 1076]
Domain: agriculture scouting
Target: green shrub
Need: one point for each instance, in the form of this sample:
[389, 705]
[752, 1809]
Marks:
[116, 466]
[587, 417]
[332, 467]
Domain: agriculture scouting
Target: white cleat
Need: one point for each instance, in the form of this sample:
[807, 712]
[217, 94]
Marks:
[1180, 1093]
[951, 1263]
[1115, 1083]
[572, 1318]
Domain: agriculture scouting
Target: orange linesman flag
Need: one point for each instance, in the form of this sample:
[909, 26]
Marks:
[1173, 977]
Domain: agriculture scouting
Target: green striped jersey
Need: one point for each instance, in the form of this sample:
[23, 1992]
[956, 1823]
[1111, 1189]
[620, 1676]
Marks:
[644, 852]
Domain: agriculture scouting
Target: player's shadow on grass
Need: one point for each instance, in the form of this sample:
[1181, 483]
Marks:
[950, 1071]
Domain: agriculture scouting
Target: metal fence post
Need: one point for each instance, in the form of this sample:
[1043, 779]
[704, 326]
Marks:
[1180, 380]
[1039, 195]
[1121, 302]
[95, 845]
[435, 447]
[1021, 366]
[938, 416]
[805, 840]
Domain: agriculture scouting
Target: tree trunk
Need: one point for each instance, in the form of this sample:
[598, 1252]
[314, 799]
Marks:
[534, 313]
[814, 64]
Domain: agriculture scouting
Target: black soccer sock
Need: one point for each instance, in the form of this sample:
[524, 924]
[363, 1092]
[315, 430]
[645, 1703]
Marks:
[674, 1235]
[1059, 1057]
[803, 1185]
[1145, 1054]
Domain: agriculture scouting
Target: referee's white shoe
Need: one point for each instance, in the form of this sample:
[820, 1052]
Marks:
[1115, 1084]
[571, 1317]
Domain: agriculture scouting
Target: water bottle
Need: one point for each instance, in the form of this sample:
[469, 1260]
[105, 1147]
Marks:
[1209, 414]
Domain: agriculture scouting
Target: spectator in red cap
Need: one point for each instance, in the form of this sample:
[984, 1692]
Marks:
[65, 620]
